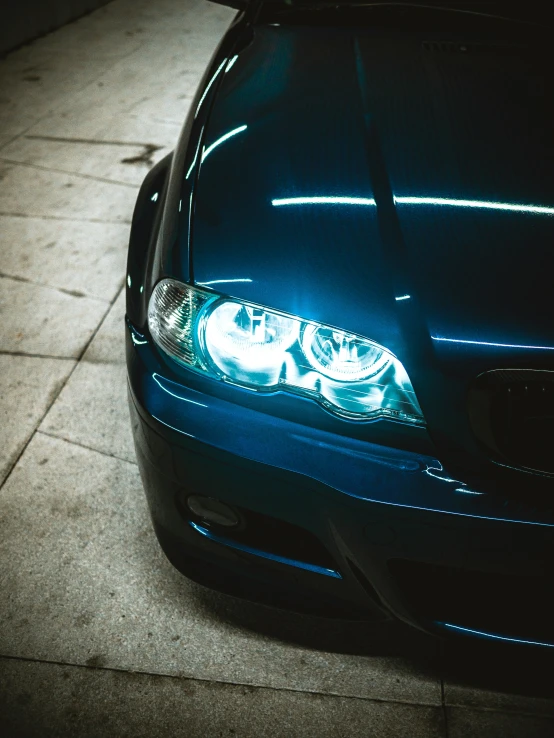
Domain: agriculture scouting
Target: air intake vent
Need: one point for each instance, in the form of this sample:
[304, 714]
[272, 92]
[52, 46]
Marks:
[512, 414]
[457, 47]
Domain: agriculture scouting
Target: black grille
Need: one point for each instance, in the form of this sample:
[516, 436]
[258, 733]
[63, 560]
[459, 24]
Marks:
[512, 414]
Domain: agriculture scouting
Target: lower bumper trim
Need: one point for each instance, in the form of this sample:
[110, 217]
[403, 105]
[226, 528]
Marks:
[263, 554]
[490, 636]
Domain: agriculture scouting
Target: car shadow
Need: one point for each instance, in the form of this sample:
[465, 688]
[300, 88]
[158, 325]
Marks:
[511, 671]
[358, 637]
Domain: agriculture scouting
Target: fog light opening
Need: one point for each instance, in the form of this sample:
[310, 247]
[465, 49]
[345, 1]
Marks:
[212, 511]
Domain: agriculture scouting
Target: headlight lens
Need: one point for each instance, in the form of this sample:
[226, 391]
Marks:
[341, 356]
[248, 343]
[267, 351]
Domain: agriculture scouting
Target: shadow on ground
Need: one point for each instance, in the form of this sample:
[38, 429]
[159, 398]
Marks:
[511, 670]
[357, 637]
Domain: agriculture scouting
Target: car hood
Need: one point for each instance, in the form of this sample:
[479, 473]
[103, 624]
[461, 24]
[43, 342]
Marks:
[353, 179]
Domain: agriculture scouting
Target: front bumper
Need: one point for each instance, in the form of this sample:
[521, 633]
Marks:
[386, 532]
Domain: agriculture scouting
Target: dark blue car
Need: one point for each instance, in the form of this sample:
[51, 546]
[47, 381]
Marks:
[340, 303]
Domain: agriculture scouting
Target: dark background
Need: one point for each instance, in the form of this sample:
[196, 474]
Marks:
[24, 20]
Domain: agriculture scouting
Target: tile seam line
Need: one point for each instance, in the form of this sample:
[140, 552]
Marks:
[91, 141]
[444, 709]
[482, 708]
[140, 672]
[62, 385]
[102, 221]
[105, 180]
[163, 121]
[443, 690]
[70, 293]
[83, 445]
[24, 354]
[9, 141]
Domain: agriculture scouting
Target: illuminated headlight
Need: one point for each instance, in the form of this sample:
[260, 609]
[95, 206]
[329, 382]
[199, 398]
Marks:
[266, 350]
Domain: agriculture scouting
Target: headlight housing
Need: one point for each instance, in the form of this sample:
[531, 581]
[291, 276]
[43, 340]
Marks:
[266, 350]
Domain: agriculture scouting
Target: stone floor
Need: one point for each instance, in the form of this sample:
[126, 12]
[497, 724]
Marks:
[99, 635]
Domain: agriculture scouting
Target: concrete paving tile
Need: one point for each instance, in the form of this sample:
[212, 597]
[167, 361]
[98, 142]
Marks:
[136, 39]
[114, 159]
[509, 678]
[32, 192]
[185, 52]
[28, 386]
[98, 33]
[75, 85]
[119, 28]
[81, 257]
[466, 723]
[108, 345]
[167, 106]
[33, 84]
[85, 582]
[160, 90]
[38, 699]
[92, 410]
[36, 59]
[42, 320]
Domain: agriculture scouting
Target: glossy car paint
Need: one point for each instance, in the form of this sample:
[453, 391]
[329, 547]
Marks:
[376, 182]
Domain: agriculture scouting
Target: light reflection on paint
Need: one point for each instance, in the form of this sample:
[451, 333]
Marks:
[402, 297]
[172, 427]
[264, 554]
[480, 204]
[453, 512]
[178, 397]
[189, 229]
[323, 201]
[441, 201]
[441, 510]
[468, 491]
[129, 281]
[195, 155]
[431, 469]
[231, 62]
[210, 83]
[223, 281]
[493, 636]
[404, 465]
[221, 140]
[155, 196]
[494, 345]
[136, 341]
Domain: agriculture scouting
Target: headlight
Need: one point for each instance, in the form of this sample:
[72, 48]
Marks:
[266, 350]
